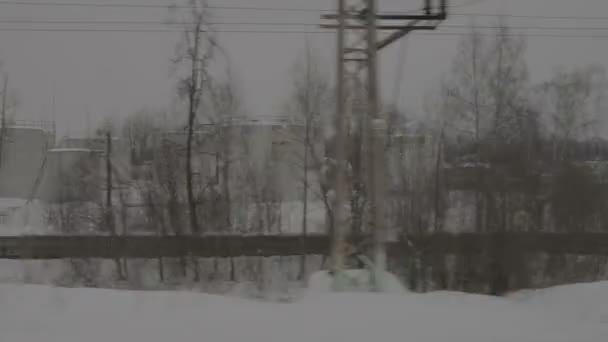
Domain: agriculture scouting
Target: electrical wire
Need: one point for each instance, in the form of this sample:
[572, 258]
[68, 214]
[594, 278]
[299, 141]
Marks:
[273, 8]
[150, 22]
[128, 22]
[169, 30]
[157, 6]
[526, 16]
[146, 30]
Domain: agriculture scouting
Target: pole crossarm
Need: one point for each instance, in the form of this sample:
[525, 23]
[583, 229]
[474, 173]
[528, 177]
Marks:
[431, 17]
[383, 27]
[417, 22]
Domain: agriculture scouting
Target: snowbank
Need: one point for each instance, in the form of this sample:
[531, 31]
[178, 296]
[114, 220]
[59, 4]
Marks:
[30, 313]
[23, 218]
[586, 301]
[354, 280]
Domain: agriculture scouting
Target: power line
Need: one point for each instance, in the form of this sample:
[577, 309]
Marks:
[547, 35]
[141, 5]
[527, 16]
[152, 22]
[593, 28]
[157, 6]
[128, 22]
[223, 7]
[145, 30]
[169, 30]
[273, 8]
[437, 34]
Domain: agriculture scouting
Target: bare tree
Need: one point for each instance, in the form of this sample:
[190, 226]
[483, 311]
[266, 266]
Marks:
[195, 52]
[154, 178]
[486, 94]
[168, 189]
[74, 208]
[310, 87]
[226, 105]
[225, 99]
[107, 132]
[571, 103]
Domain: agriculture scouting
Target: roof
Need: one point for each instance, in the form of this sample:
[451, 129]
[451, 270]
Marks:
[25, 127]
[69, 149]
[12, 203]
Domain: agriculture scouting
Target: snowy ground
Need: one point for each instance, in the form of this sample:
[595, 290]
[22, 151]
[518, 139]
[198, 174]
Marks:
[30, 313]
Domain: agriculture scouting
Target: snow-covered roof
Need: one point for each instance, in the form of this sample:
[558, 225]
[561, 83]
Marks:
[26, 128]
[6, 203]
[69, 149]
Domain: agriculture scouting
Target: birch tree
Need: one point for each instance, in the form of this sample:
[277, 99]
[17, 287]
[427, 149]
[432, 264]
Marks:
[194, 54]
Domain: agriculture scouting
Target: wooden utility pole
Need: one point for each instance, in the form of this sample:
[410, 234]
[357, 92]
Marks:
[340, 149]
[109, 214]
[376, 132]
[3, 113]
[357, 25]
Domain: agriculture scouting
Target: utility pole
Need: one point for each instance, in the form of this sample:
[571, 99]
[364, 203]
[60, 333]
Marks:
[358, 23]
[3, 114]
[376, 132]
[109, 206]
[110, 221]
[340, 152]
[54, 132]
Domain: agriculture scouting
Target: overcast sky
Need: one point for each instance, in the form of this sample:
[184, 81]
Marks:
[116, 73]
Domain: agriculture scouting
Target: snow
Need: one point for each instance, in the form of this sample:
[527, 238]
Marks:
[355, 280]
[31, 313]
[22, 217]
[587, 301]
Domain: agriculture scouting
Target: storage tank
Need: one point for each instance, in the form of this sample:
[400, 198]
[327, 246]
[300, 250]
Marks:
[22, 153]
[70, 174]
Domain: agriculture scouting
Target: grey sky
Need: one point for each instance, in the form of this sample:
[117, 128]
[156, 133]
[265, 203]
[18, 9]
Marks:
[116, 73]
